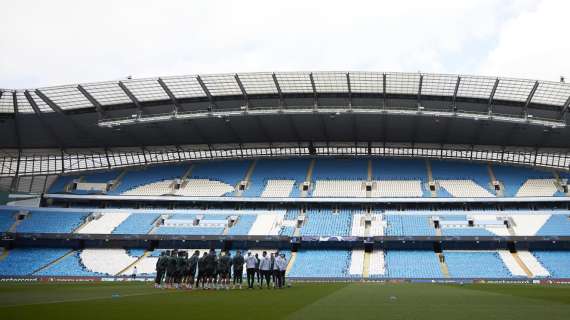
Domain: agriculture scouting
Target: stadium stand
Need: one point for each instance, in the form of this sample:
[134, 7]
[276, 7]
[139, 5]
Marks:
[25, 261]
[557, 262]
[277, 178]
[137, 223]
[411, 264]
[6, 219]
[513, 178]
[243, 225]
[356, 263]
[137, 178]
[106, 261]
[104, 223]
[462, 179]
[409, 225]
[43, 221]
[230, 172]
[476, 264]
[68, 266]
[320, 264]
[327, 223]
[399, 178]
[535, 267]
[556, 225]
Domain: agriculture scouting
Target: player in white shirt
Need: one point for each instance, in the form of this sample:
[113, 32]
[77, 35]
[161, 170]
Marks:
[250, 263]
[265, 268]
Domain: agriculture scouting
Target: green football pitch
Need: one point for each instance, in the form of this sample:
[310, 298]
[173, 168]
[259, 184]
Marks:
[302, 301]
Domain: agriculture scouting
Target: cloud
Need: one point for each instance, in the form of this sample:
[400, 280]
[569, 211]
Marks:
[533, 45]
[58, 42]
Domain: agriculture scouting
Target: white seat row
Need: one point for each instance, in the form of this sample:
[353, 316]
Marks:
[356, 262]
[537, 188]
[533, 264]
[397, 188]
[267, 224]
[464, 188]
[105, 224]
[278, 188]
[377, 264]
[204, 188]
[106, 261]
[511, 263]
[339, 188]
[358, 226]
[152, 189]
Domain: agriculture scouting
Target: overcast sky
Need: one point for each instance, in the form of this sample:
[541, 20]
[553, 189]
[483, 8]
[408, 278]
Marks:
[45, 43]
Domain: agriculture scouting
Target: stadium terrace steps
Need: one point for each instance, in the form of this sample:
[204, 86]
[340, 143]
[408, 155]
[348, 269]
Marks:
[533, 265]
[512, 264]
[443, 265]
[3, 253]
[309, 177]
[519, 261]
[105, 223]
[247, 177]
[366, 266]
[70, 252]
[131, 266]
[464, 189]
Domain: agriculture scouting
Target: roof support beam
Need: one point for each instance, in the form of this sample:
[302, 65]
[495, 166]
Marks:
[175, 105]
[243, 92]
[492, 96]
[565, 108]
[315, 97]
[420, 91]
[529, 99]
[281, 101]
[207, 92]
[349, 90]
[384, 90]
[16, 122]
[454, 99]
[93, 101]
[49, 102]
[38, 113]
[131, 97]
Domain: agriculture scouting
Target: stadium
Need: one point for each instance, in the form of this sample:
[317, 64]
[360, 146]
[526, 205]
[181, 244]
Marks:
[400, 193]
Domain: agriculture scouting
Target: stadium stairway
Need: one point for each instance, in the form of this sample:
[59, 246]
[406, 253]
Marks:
[154, 226]
[442, 264]
[366, 265]
[430, 178]
[3, 254]
[247, 178]
[14, 225]
[139, 259]
[188, 173]
[81, 226]
[67, 254]
[534, 266]
[118, 180]
[522, 265]
[309, 177]
[291, 262]
[498, 193]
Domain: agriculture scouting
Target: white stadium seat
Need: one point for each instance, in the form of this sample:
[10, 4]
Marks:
[204, 188]
[397, 188]
[339, 188]
[538, 188]
[464, 189]
[278, 188]
[105, 224]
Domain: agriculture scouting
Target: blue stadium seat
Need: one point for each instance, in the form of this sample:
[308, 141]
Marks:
[514, 177]
[327, 223]
[476, 264]
[68, 266]
[243, 225]
[556, 225]
[136, 178]
[556, 262]
[321, 264]
[409, 225]
[44, 221]
[24, 261]
[137, 223]
[286, 169]
[340, 169]
[412, 264]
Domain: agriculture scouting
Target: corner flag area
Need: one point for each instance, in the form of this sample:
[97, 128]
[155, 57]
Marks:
[136, 300]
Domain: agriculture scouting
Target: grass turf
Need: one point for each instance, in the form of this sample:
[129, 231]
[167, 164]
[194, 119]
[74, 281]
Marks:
[303, 301]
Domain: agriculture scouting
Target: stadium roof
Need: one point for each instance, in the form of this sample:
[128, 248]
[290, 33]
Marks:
[289, 107]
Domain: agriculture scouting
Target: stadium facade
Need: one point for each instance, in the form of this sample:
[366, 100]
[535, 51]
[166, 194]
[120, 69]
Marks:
[356, 175]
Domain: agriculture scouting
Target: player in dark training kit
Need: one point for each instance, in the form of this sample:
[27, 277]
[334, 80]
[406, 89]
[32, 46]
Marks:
[237, 263]
[224, 270]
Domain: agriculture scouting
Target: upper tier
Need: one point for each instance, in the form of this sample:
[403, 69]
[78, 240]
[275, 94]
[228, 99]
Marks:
[320, 178]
